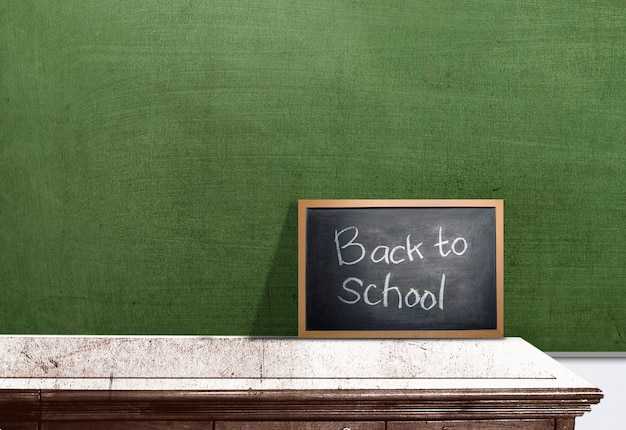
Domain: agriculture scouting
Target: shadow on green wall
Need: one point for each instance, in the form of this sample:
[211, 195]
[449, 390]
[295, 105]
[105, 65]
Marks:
[277, 313]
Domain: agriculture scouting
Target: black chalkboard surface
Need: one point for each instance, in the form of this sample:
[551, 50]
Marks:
[400, 268]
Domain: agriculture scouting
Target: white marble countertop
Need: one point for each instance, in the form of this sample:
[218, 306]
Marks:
[242, 363]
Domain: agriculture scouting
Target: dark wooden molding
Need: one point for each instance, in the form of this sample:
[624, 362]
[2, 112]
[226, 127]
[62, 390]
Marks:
[19, 405]
[536, 409]
[316, 404]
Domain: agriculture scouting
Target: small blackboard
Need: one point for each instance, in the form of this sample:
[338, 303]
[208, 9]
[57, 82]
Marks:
[400, 268]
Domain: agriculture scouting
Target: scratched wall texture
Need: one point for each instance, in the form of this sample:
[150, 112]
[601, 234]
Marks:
[152, 152]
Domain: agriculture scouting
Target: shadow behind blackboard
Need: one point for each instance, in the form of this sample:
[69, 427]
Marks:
[277, 313]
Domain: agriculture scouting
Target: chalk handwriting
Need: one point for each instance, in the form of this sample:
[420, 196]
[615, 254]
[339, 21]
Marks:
[372, 295]
[350, 243]
[453, 248]
[351, 251]
[381, 254]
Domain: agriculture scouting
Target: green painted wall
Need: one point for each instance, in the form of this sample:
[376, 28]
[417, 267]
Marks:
[152, 153]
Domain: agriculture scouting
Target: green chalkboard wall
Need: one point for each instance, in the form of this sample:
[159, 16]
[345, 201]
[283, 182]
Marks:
[152, 153]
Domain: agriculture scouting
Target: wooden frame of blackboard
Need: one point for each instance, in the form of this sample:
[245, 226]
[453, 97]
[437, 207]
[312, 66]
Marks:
[495, 329]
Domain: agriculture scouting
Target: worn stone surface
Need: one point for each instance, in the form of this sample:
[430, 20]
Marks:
[52, 362]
